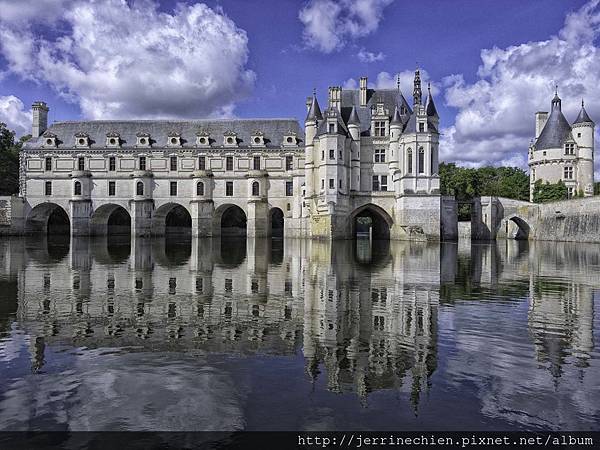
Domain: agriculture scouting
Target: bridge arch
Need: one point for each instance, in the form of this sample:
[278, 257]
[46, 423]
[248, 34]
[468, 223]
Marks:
[520, 229]
[171, 218]
[110, 219]
[370, 220]
[48, 218]
[276, 222]
[230, 220]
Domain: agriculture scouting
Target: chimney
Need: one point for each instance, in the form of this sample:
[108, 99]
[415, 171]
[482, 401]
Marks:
[363, 91]
[335, 97]
[40, 118]
[308, 103]
[540, 120]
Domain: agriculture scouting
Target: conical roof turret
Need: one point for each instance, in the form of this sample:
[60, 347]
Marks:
[314, 113]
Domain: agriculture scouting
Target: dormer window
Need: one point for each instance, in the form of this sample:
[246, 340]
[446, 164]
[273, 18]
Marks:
[258, 139]
[421, 127]
[569, 148]
[82, 140]
[174, 139]
[379, 128]
[203, 138]
[290, 139]
[230, 139]
[49, 139]
[113, 139]
[331, 128]
[143, 139]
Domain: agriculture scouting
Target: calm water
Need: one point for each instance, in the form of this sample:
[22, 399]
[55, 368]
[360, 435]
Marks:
[298, 335]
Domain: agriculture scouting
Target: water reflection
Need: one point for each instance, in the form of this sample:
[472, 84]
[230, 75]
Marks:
[500, 334]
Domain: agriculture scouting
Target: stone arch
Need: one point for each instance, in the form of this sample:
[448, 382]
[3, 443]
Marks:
[380, 222]
[276, 222]
[171, 218]
[521, 231]
[230, 220]
[110, 219]
[48, 218]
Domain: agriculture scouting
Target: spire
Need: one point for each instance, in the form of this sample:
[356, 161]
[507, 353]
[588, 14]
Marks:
[556, 130]
[417, 88]
[314, 113]
[353, 119]
[396, 120]
[431, 110]
[583, 115]
[398, 82]
[556, 102]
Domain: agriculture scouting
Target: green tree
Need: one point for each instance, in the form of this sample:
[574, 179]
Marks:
[9, 160]
[549, 192]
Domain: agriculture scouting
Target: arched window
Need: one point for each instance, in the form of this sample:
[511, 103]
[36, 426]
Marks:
[77, 188]
[200, 188]
[421, 160]
[139, 189]
[409, 161]
[255, 189]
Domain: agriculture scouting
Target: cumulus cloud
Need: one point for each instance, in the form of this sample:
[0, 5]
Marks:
[122, 59]
[330, 24]
[495, 119]
[14, 115]
[369, 57]
[386, 80]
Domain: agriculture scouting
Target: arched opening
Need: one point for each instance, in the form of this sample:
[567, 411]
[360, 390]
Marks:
[371, 222]
[519, 230]
[111, 220]
[276, 222]
[255, 189]
[200, 188]
[48, 218]
[172, 219]
[233, 221]
[139, 188]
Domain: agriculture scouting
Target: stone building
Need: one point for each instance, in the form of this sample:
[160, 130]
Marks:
[563, 151]
[369, 158]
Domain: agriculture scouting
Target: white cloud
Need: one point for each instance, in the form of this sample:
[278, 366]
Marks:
[122, 59]
[14, 115]
[369, 57]
[386, 80]
[329, 24]
[495, 119]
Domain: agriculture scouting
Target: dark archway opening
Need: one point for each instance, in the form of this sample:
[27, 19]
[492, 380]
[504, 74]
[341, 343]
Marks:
[233, 222]
[276, 222]
[178, 221]
[370, 224]
[119, 222]
[58, 222]
[522, 232]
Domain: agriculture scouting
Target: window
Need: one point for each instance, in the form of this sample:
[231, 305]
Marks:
[383, 184]
[139, 188]
[202, 162]
[379, 155]
[255, 189]
[323, 155]
[229, 163]
[322, 183]
[532, 174]
[289, 188]
[229, 188]
[578, 135]
[421, 127]
[77, 188]
[48, 164]
[341, 155]
[421, 160]
[289, 163]
[332, 128]
[544, 153]
[48, 188]
[173, 160]
[331, 183]
[409, 161]
[379, 128]
[112, 188]
[256, 163]
[200, 188]
[142, 163]
[80, 164]
[570, 191]
[173, 188]
[112, 163]
[375, 183]
[568, 173]
[331, 154]
[569, 149]
[340, 184]
[431, 167]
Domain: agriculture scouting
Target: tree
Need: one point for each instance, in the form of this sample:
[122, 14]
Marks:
[549, 192]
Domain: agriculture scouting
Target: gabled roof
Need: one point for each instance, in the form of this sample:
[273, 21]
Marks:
[556, 130]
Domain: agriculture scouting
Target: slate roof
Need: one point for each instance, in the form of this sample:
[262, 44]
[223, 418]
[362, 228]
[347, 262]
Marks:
[556, 130]
[583, 116]
[315, 111]
[411, 126]
[273, 131]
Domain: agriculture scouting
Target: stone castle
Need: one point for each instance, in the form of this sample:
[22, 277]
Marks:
[367, 161]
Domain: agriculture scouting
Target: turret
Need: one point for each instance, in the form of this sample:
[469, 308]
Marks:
[396, 124]
[430, 108]
[354, 124]
[40, 118]
[583, 133]
[312, 118]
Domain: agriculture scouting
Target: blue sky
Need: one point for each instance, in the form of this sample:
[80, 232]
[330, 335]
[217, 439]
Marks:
[492, 64]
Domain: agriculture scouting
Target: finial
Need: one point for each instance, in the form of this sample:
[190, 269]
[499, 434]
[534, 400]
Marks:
[429, 87]
[582, 103]
[314, 92]
[556, 89]
[398, 82]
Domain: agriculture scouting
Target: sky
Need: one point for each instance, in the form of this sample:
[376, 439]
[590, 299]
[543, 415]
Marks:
[492, 64]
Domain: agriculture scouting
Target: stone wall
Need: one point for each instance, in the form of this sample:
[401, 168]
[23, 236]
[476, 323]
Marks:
[576, 220]
[11, 215]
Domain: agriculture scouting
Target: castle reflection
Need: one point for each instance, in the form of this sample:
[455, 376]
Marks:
[365, 316]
